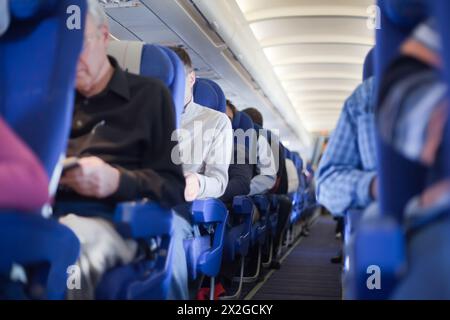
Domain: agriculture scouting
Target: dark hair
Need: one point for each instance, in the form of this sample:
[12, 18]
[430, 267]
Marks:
[232, 107]
[255, 115]
[184, 56]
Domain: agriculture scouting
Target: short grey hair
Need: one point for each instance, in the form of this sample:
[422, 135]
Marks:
[97, 13]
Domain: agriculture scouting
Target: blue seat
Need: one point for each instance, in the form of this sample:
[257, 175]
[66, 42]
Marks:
[204, 253]
[238, 236]
[298, 199]
[37, 101]
[379, 241]
[428, 242]
[209, 94]
[147, 278]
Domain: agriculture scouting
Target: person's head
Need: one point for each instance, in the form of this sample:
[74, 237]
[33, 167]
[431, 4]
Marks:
[189, 71]
[255, 115]
[93, 59]
[231, 110]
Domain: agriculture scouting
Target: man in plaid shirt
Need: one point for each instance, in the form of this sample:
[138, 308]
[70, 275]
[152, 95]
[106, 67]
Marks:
[347, 170]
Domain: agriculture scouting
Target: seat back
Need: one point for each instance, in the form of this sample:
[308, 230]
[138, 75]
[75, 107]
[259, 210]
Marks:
[398, 18]
[38, 57]
[245, 138]
[443, 22]
[369, 64]
[209, 94]
[156, 62]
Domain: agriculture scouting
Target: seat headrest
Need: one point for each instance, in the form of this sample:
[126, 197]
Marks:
[405, 14]
[156, 63]
[143, 59]
[32, 9]
[369, 65]
[209, 94]
[242, 121]
[4, 16]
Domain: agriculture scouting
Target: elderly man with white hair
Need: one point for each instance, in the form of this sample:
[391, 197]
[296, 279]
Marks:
[121, 136]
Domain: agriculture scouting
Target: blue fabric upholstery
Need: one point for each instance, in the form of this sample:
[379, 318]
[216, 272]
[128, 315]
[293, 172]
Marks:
[380, 241]
[207, 93]
[38, 57]
[162, 63]
[177, 86]
[238, 238]
[441, 10]
[33, 93]
[405, 14]
[30, 240]
[369, 65]
[32, 9]
[202, 256]
[399, 17]
[142, 279]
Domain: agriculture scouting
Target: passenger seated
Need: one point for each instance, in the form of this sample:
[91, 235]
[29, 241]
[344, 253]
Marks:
[205, 158]
[205, 145]
[121, 135]
[265, 175]
[347, 177]
[271, 177]
[23, 181]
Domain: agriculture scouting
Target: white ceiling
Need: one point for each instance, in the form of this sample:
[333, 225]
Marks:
[316, 48]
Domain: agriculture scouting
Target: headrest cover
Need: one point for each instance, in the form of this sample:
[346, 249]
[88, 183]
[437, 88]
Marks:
[207, 93]
[369, 64]
[32, 9]
[128, 54]
[156, 63]
[406, 14]
[4, 16]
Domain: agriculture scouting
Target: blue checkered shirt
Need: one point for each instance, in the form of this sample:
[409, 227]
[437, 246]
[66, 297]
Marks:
[348, 165]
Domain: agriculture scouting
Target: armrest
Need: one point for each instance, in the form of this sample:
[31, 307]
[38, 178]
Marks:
[209, 211]
[378, 242]
[206, 212]
[29, 239]
[143, 220]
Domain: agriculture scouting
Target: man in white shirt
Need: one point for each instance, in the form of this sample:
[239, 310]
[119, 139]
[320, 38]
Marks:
[205, 151]
[205, 143]
[266, 168]
[265, 176]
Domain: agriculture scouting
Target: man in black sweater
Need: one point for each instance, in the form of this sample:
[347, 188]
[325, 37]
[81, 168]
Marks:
[121, 134]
